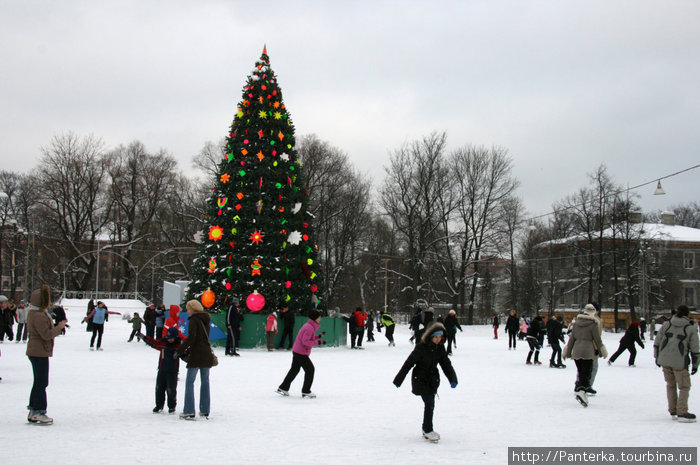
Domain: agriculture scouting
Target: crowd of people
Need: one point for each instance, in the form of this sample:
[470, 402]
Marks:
[39, 322]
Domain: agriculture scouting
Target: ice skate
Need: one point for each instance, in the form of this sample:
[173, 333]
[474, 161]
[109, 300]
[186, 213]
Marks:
[282, 392]
[308, 395]
[39, 419]
[686, 418]
[431, 436]
[582, 398]
[187, 416]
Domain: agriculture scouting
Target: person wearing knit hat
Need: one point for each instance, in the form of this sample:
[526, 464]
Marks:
[627, 343]
[168, 367]
[425, 378]
[42, 333]
[584, 345]
[149, 319]
[200, 360]
[306, 340]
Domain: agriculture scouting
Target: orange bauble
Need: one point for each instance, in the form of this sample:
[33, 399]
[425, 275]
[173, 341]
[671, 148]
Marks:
[208, 298]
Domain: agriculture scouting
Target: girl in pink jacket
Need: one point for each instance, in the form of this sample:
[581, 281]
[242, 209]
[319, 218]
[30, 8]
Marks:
[271, 330]
[306, 339]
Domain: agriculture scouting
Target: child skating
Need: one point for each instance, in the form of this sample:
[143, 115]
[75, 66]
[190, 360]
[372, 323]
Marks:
[426, 356]
[168, 367]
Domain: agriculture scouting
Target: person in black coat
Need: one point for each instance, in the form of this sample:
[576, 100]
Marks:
[288, 328]
[451, 327]
[59, 314]
[425, 379]
[233, 328]
[512, 328]
[534, 332]
[555, 334]
[627, 343]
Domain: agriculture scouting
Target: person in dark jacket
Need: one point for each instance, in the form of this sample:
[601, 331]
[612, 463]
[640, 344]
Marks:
[288, 328]
[201, 359]
[512, 327]
[149, 319]
[627, 343]
[533, 339]
[59, 314]
[425, 379]
[161, 315]
[554, 336]
[451, 327]
[233, 326]
[90, 308]
[168, 367]
[370, 325]
[642, 328]
[495, 323]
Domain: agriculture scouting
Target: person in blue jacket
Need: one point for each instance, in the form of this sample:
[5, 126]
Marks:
[98, 316]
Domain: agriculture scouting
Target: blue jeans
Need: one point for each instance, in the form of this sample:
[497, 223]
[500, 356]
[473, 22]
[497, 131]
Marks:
[204, 399]
[37, 398]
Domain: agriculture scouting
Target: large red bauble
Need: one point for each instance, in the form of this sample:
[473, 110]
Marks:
[208, 298]
[255, 302]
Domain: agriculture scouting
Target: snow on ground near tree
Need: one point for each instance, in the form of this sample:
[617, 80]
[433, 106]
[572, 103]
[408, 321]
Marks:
[102, 401]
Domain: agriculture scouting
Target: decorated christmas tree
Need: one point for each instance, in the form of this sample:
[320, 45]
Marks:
[259, 239]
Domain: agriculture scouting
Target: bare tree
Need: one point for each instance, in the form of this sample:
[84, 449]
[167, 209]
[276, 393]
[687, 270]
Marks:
[209, 158]
[72, 198]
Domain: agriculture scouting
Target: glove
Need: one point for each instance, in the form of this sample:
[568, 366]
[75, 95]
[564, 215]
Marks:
[453, 384]
[321, 342]
[322, 334]
[695, 370]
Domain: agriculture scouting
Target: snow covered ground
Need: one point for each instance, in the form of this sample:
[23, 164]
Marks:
[102, 401]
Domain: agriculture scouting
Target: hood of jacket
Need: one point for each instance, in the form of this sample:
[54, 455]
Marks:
[431, 329]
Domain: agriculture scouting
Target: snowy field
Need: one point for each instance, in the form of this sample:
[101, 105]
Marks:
[102, 401]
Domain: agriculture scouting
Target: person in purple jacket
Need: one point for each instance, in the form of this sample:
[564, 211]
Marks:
[306, 339]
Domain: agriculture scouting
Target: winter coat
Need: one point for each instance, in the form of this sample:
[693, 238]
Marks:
[585, 342]
[59, 314]
[201, 355]
[99, 315]
[168, 361]
[22, 315]
[554, 331]
[271, 324]
[136, 323]
[233, 317]
[495, 322]
[360, 319]
[306, 338]
[524, 326]
[173, 322]
[387, 320]
[452, 324]
[676, 345]
[416, 320]
[512, 324]
[41, 331]
[424, 360]
[149, 316]
[288, 318]
[631, 336]
[535, 328]
[160, 317]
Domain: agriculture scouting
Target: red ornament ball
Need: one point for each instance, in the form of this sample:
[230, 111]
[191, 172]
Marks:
[255, 302]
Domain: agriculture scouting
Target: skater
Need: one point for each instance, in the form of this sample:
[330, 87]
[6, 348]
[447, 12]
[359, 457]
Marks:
[414, 325]
[306, 340]
[388, 324]
[98, 317]
[173, 321]
[627, 343]
[288, 330]
[451, 327]
[554, 336]
[583, 346]
[378, 319]
[523, 329]
[42, 332]
[511, 329]
[201, 358]
[149, 319]
[360, 320]
[676, 350]
[161, 315]
[495, 324]
[642, 328]
[370, 325]
[425, 379]
[135, 327]
[59, 314]
[271, 330]
[594, 370]
[90, 308]
[22, 311]
[533, 339]
[233, 326]
[5, 319]
[168, 367]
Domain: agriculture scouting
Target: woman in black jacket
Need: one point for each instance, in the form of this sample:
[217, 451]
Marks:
[512, 328]
[425, 378]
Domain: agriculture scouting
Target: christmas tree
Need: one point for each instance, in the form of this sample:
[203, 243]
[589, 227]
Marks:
[259, 236]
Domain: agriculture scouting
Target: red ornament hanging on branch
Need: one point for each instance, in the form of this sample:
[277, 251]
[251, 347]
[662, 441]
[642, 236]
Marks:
[208, 298]
[255, 302]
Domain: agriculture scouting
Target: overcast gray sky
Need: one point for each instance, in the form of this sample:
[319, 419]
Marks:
[563, 85]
